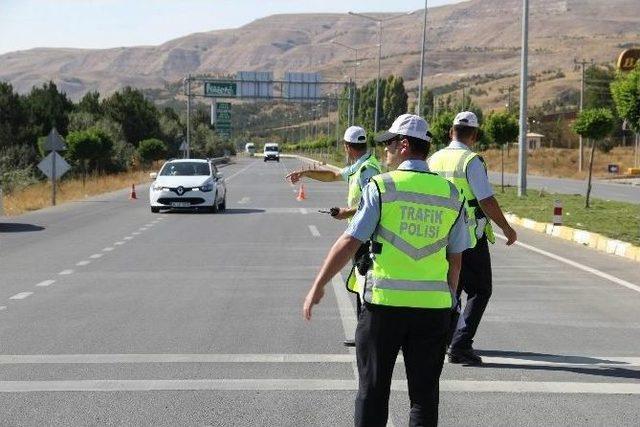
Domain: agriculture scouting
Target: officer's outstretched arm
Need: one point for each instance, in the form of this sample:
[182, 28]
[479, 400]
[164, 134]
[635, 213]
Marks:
[343, 250]
[323, 175]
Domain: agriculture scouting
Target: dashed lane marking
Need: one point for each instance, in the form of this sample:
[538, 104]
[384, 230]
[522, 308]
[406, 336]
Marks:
[108, 249]
[96, 256]
[314, 231]
[244, 200]
[46, 283]
[83, 263]
[142, 228]
[66, 272]
[577, 265]
[136, 233]
[21, 295]
[128, 237]
[3, 307]
[119, 243]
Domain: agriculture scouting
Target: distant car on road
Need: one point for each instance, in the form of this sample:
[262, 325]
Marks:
[271, 152]
[188, 184]
[250, 148]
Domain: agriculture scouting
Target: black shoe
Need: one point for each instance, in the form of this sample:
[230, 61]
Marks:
[465, 357]
[349, 343]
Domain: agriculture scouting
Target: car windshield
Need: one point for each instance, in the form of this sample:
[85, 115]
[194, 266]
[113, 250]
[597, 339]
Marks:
[270, 148]
[185, 169]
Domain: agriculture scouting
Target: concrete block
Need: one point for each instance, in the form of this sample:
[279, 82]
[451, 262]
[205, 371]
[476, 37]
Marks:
[601, 245]
[631, 252]
[582, 237]
[622, 248]
[549, 229]
[611, 246]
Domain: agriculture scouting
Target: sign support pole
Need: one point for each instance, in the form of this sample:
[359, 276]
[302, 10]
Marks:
[53, 179]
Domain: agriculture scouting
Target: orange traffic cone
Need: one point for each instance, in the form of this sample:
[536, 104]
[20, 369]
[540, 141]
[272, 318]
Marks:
[301, 195]
[132, 195]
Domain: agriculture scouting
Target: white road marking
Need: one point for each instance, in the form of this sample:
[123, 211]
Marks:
[304, 211]
[142, 228]
[46, 283]
[313, 385]
[577, 265]
[148, 225]
[119, 243]
[229, 178]
[244, 200]
[96, 256]
[108, 249]
[314, 231]
[128, 237]
[21, 295]
[136, 233]
[3, 307]
[66, 272]
[347, 315]
[83, 263]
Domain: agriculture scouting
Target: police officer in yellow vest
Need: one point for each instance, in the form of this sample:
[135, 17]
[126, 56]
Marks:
[416, 223]
[364, 165]
[466, 169]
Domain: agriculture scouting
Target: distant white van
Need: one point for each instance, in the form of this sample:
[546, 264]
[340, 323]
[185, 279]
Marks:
[250, 148]
[271, 152]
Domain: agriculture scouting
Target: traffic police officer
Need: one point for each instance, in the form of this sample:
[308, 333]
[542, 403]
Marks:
[466, 169]
[415, 221]
[364, 166]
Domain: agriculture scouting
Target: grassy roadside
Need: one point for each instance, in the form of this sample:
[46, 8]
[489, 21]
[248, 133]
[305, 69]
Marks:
[616, 220]
[38, 196]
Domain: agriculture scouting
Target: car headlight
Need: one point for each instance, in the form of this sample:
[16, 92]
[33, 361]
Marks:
[157, 186]
[207, 187]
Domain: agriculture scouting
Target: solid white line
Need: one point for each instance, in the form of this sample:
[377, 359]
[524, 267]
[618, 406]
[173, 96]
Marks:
[579, 266]
[46, 283]
[108, 249]
[229, 178]
[314, 231]
[312, 385]
[96, 256]
[347, 316]
[65, 272]
[83, 263]
[21, 295]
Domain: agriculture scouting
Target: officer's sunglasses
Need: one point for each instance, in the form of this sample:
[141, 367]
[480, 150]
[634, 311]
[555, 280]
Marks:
[397, 138]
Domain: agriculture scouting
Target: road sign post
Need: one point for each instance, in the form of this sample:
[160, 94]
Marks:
[54, 166]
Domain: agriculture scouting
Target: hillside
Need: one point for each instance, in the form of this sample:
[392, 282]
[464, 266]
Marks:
[478, 38]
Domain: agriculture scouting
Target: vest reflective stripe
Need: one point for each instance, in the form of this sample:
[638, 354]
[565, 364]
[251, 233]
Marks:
[407, 248]
[452, 163]
[417, 213]
[355, 191]
[410, 285]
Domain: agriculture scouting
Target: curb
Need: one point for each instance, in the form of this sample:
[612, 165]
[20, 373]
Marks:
[586, 238]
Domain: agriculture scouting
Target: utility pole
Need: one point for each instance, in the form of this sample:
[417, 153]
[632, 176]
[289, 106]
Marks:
[424, 41]
[189, 116]
[582, 64]
[524, 78]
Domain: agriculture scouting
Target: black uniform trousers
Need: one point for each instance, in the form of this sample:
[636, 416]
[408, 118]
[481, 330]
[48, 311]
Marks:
[381, 332]
[476, 281]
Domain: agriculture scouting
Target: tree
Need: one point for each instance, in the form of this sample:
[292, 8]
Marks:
[90, 103]
[426, 107]
[394, 102]
[626, 96]
[594, 124]
[137, 116]
[48, 108]
[13, 117]
[91, 145]
[151, 149]
[440, 129]
[501, 128]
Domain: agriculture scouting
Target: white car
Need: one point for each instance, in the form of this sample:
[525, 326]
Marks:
[271, 152]
[188, 184]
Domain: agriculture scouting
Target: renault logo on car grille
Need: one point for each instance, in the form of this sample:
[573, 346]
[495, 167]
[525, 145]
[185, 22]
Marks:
[180, 191]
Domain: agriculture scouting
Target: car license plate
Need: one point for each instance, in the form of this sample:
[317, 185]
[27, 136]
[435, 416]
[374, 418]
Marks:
[180, 204]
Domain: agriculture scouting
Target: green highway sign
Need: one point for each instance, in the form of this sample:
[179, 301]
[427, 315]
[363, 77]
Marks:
[223, 116]
[223, 125]
[223, 106]
[220, 89]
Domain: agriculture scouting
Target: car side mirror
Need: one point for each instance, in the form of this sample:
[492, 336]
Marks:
[219, 175]
[153, 175]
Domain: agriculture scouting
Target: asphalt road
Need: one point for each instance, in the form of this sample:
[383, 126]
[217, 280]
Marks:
[599, 189]
[110, 314]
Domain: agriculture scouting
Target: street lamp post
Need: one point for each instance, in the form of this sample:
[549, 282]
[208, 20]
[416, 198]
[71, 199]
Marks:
[424, 41]
[379, 21]
[355, 81]
[524, 78]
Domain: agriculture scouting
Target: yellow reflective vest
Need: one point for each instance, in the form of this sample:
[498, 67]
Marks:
[409, 246]
[452, 163]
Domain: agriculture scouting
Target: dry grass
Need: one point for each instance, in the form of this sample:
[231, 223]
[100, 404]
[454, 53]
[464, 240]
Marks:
[561, 162]
[38, 196]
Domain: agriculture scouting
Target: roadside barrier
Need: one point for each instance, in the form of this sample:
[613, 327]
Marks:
[557, 212]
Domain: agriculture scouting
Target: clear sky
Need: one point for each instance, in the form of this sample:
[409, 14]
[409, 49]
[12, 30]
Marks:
[25, 24]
